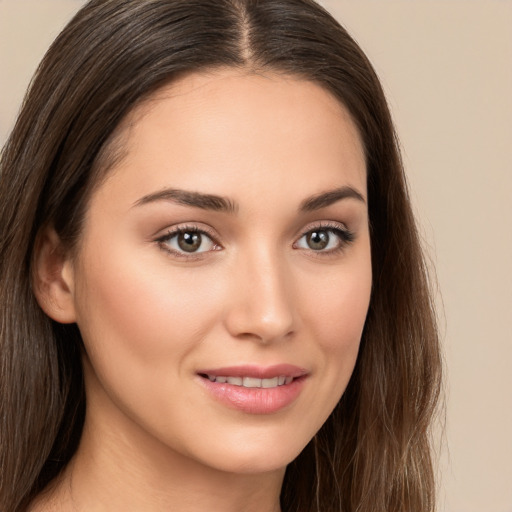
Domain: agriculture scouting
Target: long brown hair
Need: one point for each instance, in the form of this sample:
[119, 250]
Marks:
[373, 452]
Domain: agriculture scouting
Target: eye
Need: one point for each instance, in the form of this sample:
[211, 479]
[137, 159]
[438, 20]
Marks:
[187, 241]
[325, 239]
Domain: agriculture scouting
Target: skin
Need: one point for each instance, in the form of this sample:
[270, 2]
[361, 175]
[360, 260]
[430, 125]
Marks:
[154, 439]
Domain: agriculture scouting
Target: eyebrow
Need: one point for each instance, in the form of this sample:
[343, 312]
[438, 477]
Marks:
[330, 197]
[325, 199]
[188, 198]
[224, 204]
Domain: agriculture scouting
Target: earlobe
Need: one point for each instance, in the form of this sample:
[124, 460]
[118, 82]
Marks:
[53, 279]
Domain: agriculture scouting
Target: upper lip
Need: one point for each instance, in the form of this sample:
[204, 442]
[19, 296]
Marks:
[258, 372]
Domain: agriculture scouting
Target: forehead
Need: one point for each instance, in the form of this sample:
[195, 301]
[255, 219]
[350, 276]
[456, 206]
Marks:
[231, 131]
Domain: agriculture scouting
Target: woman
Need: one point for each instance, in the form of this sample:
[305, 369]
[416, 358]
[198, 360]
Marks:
[213, 293]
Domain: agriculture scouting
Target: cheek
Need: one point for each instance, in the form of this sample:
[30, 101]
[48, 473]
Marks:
[338, 306]
[344, 314]
[141, 321]
[129, 305]
[335, 311]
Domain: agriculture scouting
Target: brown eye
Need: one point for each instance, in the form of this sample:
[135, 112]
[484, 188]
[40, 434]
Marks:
[325, 239]
[189, 242]
[317, 240]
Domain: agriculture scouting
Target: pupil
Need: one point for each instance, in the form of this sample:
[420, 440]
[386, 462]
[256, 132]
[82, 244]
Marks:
[189, 242]
[318, 240]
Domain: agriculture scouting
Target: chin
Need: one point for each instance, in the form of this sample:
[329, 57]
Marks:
[266, 461]
[254, 452]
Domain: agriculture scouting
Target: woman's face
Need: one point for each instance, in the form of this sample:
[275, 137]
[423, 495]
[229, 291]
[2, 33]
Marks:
[223, 276]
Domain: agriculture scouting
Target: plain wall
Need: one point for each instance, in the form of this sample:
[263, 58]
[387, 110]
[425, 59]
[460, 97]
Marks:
[447, 68]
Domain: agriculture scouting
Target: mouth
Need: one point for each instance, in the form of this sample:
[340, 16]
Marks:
[251, 376]
[254, 389]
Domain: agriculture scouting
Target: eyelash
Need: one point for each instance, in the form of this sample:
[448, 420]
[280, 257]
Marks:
[345, 237]
[164, 240]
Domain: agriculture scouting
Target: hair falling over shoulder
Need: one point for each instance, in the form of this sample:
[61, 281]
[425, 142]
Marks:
[373, 453]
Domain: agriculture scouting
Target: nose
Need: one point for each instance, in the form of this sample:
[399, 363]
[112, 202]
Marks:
[262, 300]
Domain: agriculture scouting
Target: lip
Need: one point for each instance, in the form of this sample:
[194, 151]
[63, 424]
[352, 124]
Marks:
[255, 400]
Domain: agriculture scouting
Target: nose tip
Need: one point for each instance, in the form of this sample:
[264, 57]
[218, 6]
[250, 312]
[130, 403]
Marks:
[262, 308]
[268, 327]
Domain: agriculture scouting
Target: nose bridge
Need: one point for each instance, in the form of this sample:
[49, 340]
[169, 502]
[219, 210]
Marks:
[263, 300]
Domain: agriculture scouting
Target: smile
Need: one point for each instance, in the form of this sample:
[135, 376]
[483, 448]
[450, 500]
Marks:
[252, 382]
[254, 389]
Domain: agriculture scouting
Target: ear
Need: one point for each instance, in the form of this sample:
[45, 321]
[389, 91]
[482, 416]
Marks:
[53, 278]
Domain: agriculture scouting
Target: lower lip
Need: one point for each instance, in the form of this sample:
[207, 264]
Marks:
[255, 400]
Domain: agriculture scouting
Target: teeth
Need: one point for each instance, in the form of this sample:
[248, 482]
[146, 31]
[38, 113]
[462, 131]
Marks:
[269, 383]
[251, 382]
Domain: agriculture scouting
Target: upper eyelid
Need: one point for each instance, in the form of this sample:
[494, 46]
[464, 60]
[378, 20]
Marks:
[346, 232]
[175, 230]
[324, 224]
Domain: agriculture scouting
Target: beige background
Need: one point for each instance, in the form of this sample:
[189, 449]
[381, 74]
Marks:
[447, 68]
